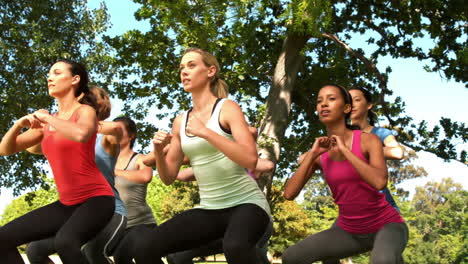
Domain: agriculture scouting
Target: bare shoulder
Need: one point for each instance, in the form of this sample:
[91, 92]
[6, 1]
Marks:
[230, 105]
[86, 110]
[369, 141]
[177, 123]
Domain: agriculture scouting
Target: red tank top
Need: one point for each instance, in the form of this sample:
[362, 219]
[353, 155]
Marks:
[75, 171]
[362, 208]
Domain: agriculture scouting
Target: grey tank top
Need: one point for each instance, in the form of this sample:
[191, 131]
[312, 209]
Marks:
[134, 197]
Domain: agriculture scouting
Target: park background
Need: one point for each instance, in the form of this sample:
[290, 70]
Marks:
[121, 45]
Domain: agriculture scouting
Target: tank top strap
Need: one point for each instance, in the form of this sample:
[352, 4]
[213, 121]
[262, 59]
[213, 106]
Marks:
[132, 161]
[356, 147]
[183, 123]
[217, 110]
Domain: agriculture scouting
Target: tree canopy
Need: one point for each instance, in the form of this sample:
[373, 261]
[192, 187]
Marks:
[33, 35]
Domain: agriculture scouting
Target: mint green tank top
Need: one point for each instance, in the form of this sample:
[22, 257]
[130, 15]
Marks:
[222, 182]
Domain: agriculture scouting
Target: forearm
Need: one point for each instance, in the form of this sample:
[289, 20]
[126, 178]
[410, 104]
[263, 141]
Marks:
[71, 130]
[8, 144]
[375, 177]
[243, 155]
[393, 153]
[295, 184]
[133, 175]
[166, 172]
[186, 175]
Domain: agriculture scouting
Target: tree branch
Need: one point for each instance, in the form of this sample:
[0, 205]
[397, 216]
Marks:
[373, 68]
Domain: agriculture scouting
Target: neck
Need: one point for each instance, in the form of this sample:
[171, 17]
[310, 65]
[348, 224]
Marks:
[67, 103]
[125, 150]
[203, 100]
[337, 128]
[363, 124]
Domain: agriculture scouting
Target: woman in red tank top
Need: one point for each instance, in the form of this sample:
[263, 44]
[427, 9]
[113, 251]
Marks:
[67, 138]
[354, 168]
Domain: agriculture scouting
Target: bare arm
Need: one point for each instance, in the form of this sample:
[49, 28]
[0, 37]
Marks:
[142, 174]
[79, 131]
[186, 175]
[14, 141]
[374, 172]
[168, 165]
[243, 149]
[392, 149]
[308, 164]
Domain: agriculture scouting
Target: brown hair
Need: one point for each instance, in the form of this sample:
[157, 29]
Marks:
[218, 87]
[102, 101]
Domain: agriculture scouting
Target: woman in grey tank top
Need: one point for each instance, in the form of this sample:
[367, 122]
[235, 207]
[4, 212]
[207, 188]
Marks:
[132, 179]
[215, 137]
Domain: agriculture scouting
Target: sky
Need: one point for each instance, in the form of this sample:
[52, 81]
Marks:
[428, 97]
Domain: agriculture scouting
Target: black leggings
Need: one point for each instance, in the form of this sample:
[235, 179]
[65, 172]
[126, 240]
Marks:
[240, 227]
[72, 227]
[216, 247]
[386, 245]
[96, 250]
[122, 252]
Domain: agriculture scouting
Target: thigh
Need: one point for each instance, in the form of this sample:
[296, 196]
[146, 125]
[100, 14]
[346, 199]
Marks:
[322, 246]
[186, 257]
[247, 223]
[122, 252]
[187, 230]
[99, 248]
[38, 224]
[390, 241]
[88, 219]
[39, 251]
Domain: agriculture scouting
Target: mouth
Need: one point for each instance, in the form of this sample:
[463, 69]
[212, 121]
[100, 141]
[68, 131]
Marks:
[185, 81]
[325, 112]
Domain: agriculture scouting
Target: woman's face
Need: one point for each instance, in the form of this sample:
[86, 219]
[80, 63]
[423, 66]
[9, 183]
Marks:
[194, 74]
[360, 105]
[126, 137]
[331, 105]
[60, 79]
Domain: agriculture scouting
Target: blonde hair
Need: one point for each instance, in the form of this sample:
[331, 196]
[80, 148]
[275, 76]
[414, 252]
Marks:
[103, 102]
[218, 87]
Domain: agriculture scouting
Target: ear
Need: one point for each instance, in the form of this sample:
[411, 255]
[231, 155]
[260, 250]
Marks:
[347, 108]
[369, 106]
[76, 79]
[211, 71]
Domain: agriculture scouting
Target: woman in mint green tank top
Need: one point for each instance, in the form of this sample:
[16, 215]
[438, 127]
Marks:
[215, 137]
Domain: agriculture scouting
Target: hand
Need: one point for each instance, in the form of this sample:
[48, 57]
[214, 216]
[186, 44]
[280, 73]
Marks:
[29, 121]
[321, 145]
[41, 115]
[160, 140]
[337, 143]
[195, 126]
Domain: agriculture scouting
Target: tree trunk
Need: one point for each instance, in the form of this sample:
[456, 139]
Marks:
[278, 105]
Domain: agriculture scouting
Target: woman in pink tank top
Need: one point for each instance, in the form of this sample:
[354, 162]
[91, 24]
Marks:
[86, 201]
[354, 168]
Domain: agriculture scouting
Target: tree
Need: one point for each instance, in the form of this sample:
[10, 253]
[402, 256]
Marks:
[33, 35]
[275, 55]
[437, 220]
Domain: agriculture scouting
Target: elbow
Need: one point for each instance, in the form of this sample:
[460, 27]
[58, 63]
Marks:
[382, 183]
[252, 162]
[399, 153]
[166, 181]
[288, 195]
[82, 137]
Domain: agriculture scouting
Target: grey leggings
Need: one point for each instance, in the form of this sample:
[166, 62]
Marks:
[386, 245]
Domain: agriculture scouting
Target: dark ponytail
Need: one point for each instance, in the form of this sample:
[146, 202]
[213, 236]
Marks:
[368, 96]
[87, 97]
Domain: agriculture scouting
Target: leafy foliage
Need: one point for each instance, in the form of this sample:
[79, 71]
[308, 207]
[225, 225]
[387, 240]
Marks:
[33, 35]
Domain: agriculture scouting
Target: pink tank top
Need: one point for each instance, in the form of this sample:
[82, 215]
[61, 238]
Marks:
[362, 208]
[75, 171]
